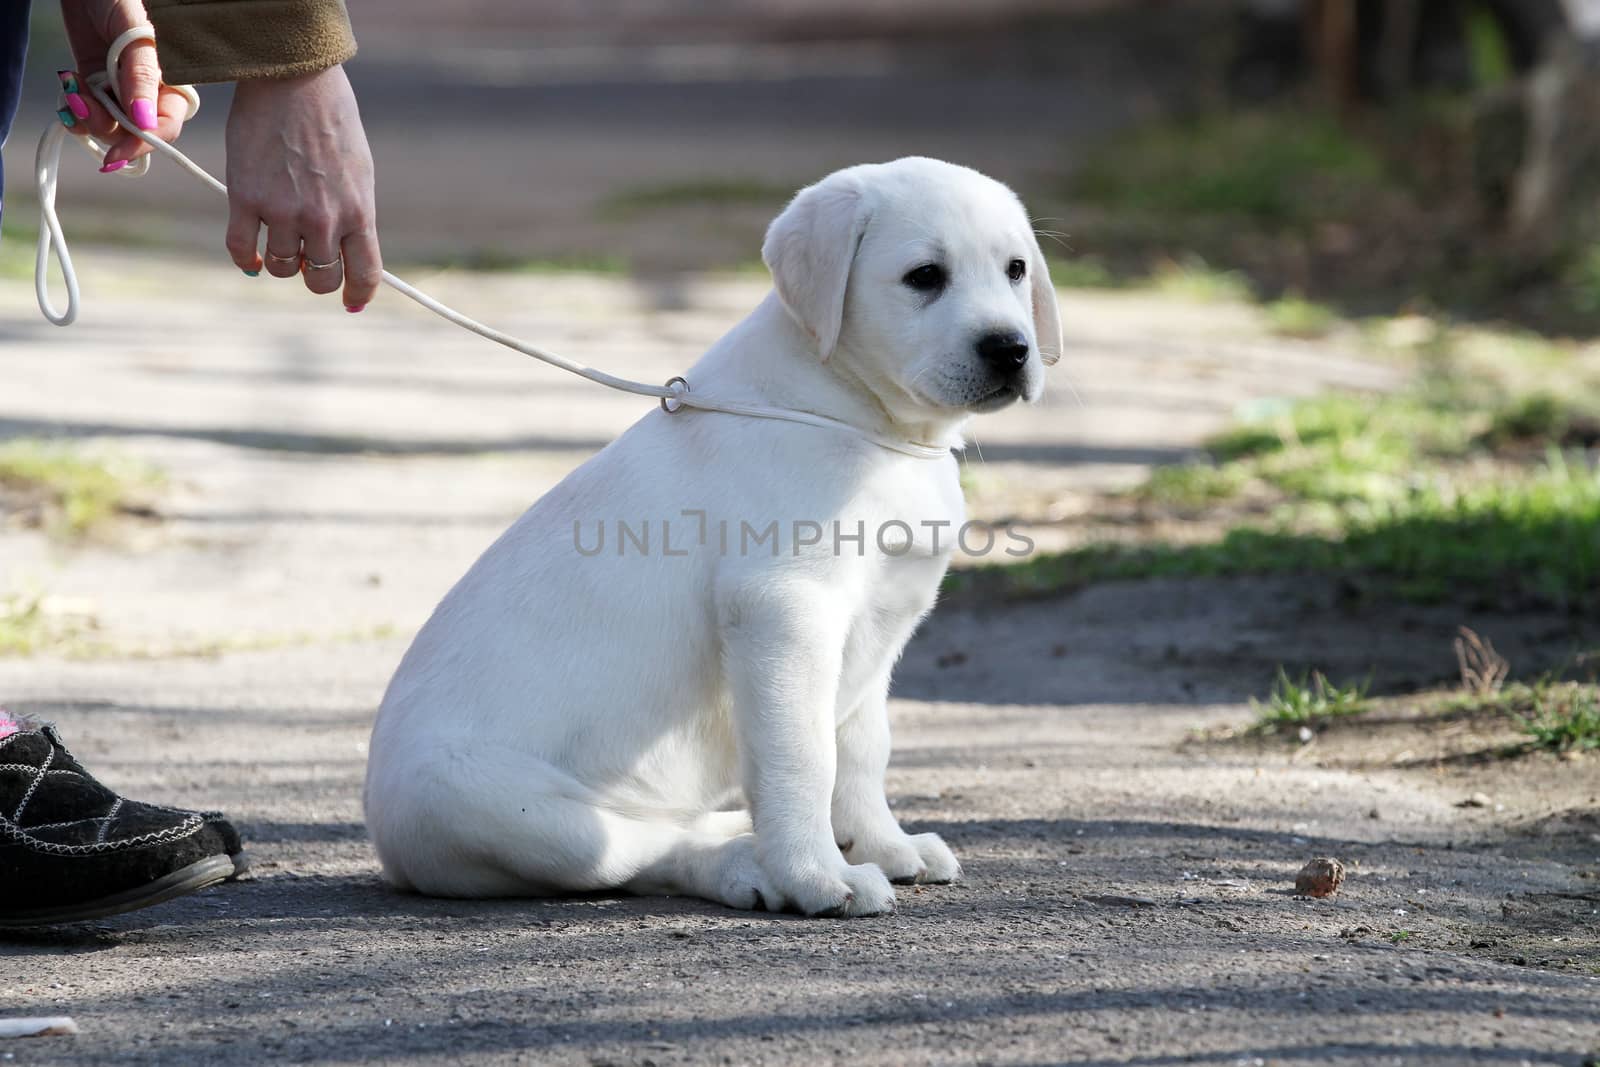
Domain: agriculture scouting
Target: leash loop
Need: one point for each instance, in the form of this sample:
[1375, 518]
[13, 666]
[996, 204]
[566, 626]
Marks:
[674, 396]
[674, 403]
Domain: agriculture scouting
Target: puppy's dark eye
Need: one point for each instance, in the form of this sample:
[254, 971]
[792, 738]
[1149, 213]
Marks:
[926, 278]
[1016, 269]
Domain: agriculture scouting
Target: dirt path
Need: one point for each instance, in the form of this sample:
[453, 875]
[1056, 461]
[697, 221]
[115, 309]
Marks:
[1128, 898]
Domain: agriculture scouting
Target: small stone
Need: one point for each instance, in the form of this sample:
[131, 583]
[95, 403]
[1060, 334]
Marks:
[1322, 877]
[1476, 800]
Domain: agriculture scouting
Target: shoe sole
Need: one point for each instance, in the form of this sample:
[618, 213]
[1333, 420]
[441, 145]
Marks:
[197, 875]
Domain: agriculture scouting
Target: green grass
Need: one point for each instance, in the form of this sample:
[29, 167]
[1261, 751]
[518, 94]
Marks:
[1563, 717]
[1554, 715]
[1192, 485]
[499, 261]
[1537, 416]
[1191, 278]
[75, 492]
[1348, 450]
[1487, 48]
[1295, 316]
[1311, 698]
[1431, 489]
[1535, 536]
[698, 192]
[25, 628]
[16, 252]
[1083, 272]
[1580, 280]
[1275, 168]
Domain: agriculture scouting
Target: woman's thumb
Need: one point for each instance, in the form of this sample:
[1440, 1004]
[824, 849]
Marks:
[138, 83]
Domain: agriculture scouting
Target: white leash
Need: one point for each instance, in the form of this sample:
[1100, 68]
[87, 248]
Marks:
[673, 396]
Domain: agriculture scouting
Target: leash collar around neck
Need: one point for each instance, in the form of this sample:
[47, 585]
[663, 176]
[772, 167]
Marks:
[674, 396]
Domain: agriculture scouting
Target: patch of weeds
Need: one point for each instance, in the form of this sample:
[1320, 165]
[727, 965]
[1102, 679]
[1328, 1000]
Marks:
[1274, 168]
[1541, 416]
[1400, 936]
[1082, 272]
[714, 192]
[16, 253]
[72, 493]
[21, 625]
[1564, 717]
[1193, 279]
[498, 261]
[1407, 334]
[1542, 419]
[1342, 448]
[1488, 50]
[26, 627]
[1537, 535]
[1581, 281]
[1483, 669]
[1194, 484]
[1252, 438]
[29, 627]
[1310, 699]
[1555, 716]
[1295, 316]
[1409, 488]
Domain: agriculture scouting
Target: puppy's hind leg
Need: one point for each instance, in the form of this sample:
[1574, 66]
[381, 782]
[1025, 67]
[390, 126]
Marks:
[490, 824]
[505, 827]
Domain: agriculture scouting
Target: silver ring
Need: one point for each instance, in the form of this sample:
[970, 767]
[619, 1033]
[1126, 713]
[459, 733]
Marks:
[674, 400]
[323, 266]
[284, 259]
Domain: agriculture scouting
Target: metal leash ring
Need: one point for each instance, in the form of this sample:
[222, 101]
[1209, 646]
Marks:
[672, 404]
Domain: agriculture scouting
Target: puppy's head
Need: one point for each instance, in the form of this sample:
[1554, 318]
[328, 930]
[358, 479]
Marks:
[923, 280]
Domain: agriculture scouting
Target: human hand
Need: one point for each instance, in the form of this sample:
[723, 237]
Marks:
[91, 27]
[298, 162]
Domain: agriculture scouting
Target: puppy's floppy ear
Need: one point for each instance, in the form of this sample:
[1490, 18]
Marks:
[809, 250]
[1046, 315]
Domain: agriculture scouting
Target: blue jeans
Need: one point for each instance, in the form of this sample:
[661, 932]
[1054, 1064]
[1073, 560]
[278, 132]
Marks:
[13, 51]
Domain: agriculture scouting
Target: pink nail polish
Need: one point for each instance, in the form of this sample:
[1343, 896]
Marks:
[143, 113]
[112, 167]
[76, 105]
[353, 308]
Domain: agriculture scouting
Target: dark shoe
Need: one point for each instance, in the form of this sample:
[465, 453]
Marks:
[71, 849]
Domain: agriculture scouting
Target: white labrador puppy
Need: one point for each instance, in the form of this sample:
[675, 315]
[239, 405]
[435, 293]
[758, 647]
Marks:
[671, 674]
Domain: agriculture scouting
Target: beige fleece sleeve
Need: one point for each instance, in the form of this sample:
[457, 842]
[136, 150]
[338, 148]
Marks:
[230, 40]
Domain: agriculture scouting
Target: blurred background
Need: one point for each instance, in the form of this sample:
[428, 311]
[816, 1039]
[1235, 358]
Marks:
[1375, 154]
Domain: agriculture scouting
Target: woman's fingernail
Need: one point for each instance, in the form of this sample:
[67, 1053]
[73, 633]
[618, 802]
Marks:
[78, 107]
[69, 80]
[251, 273]
[66, 118]
[353, 308]
[143, 113]
[110, 167]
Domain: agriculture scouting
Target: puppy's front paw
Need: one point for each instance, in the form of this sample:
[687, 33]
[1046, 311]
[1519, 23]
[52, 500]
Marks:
[837, 891]
[942, 865]
[907, 859]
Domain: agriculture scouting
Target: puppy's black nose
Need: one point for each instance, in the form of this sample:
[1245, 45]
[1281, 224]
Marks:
[1004, 351]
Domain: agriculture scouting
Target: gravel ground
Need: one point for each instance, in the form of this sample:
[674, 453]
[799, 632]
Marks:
[1128, 896]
